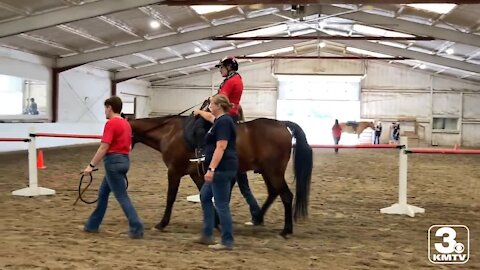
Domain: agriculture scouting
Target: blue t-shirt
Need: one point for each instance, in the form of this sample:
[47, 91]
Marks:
[223, 129]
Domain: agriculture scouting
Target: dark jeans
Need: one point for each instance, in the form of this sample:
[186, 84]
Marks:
[116, 168]
[255, 210]
[336, 140]
[376, 139]
[219, 189]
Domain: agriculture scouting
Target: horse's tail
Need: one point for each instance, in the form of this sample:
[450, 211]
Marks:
[302, 165]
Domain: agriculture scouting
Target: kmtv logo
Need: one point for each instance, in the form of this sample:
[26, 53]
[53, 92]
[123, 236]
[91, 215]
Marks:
[448, 244]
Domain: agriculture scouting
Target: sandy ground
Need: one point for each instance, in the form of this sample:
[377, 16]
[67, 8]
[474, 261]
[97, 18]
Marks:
[345, 229]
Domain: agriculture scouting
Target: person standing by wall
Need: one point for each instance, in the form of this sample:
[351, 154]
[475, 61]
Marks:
[337, 134]
[378, 133]
[395, 132]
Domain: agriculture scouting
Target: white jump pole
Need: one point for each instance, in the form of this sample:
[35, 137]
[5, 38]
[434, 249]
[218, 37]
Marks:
[402, 207]
[33, 189]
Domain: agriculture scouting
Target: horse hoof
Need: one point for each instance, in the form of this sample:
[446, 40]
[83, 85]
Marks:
[160, 227]
[285, 235]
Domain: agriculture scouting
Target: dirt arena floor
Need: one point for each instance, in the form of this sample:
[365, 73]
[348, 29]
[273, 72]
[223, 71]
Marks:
[345, 229]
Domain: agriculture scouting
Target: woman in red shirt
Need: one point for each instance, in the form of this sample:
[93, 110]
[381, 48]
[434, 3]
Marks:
[114, 149]
[337, 133]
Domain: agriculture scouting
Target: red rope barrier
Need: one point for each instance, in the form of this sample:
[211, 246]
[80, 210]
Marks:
[440, 151]
[356, 146]
[14, 140]
[59, 135]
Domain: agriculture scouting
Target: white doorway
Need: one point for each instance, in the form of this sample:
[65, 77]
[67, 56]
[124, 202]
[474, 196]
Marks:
[315, 101]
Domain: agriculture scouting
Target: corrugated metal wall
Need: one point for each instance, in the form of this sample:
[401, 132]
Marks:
[389, 93]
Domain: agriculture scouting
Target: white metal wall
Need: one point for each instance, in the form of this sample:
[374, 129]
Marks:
[258, 100]
[388, 93]
[81, 94]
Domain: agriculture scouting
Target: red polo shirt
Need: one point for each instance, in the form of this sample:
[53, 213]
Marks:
[337, 131]
[118, 134]
[233, 89]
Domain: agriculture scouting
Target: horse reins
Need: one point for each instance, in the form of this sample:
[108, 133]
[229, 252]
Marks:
[90, 180]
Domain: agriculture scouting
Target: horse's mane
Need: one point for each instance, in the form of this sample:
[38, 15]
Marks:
[157, 121]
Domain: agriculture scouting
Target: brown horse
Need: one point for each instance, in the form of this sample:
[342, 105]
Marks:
[356, 127]
[263, 145]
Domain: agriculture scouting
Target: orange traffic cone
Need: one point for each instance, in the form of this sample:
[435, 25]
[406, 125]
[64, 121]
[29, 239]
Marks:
[40, 164]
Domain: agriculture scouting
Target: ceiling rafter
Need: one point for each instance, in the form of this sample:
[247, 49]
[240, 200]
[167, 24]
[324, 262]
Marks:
[404, 26]
[243, 25]
[146, 57]
[82, 33]
[174, 52]
[120, 25]
[119, 63]
[48, 42]
[268, 46]
[65, 15]
[14, 9]
[388, 50]
[201, 46]
[148, 10]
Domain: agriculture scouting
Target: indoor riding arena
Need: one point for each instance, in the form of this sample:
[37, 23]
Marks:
[399, 191]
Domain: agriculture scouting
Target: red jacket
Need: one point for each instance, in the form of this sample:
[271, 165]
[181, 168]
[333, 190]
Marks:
[233, 89]
[336, 131]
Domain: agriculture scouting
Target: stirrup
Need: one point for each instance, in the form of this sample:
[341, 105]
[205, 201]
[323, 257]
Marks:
[199, 159]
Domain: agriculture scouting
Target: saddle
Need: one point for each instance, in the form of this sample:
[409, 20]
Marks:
[189, 133]
[353, 124]
[194, 131]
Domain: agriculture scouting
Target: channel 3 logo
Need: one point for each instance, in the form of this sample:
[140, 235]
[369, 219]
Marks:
[448, 244]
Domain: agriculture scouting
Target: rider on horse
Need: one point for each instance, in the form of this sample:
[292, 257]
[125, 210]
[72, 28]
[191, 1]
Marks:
[232, 88]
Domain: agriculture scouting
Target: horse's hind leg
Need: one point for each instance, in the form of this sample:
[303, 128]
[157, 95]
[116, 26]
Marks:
[173, 183]
[278, 186]
[272, 195]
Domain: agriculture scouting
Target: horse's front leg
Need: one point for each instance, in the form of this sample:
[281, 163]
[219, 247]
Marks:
[173, 183]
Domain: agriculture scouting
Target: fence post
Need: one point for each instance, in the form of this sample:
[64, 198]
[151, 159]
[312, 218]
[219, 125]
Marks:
[33, 189]
[402, 207]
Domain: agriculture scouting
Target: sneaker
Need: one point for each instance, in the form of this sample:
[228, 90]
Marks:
[136, 236]
[220, 247]
[252, 223]
[205, 240]
[83, 228]
[199, 159]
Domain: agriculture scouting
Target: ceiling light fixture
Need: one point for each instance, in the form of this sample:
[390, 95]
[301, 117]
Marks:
[154, 24]
[436, 8]
[204, 9]
[450, 51]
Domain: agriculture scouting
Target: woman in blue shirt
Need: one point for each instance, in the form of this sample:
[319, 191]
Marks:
[221, 157]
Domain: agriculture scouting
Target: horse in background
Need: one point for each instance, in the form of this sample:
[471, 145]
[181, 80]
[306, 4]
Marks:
[263, 145]
[356, 127]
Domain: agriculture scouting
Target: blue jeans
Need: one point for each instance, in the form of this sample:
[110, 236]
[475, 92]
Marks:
[220, 190]
[116, 168]
[255, 210]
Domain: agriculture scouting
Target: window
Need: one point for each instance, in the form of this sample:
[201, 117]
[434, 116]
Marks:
[22, 97]
[445, 123]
